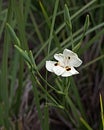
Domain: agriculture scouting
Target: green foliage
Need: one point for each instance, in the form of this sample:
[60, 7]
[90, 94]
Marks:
[102, 113]
[31, 32]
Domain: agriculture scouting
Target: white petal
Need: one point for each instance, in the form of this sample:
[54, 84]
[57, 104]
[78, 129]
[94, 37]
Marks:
[68, 52]
[70, 72]
[73, 59]
[59, 57]
[50, 65]
[58, 70]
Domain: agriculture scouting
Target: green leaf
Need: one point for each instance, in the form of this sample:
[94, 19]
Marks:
[68, 22]
[86, 25]
[67, 17]
[13, 35]
[92, 62]
[102, 112]
[85, 124]
[23, 53]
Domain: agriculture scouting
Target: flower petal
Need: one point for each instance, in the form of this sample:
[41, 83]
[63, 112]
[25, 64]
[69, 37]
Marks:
[59, 57]
[70, 72]
[68, 52]
[73, 59]
[58, 70]
[50, 65]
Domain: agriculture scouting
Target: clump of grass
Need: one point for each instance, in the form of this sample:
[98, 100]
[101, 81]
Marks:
[30, 33]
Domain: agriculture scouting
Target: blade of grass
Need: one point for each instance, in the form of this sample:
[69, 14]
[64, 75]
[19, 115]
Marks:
[91, 41]
[63, 25]
[49, 23]
[77, 14]
[1, 116]
[13, 74]
[52, 25]
[36, 28]
[46, 118]
[14, 67]
[21, 24]
[23, 53]
[92, 62]
[26, 9]
[3, 24]
[86, 25]
[73, 108]
[77, 96]
[37, 101]
[0, 5]
[85, 124]
[4, 78]
[67, 19]
[13, 35]
[102, 113]
[50, 39]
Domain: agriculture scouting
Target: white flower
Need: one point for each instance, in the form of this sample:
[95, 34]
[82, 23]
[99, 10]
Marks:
[64, 66]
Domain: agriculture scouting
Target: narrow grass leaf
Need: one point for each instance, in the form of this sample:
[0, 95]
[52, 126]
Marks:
[1, 116]
[48, 21]
[3, 24]
[77, 14]
[85, 124]
[4, 78]
[23, 53]
[68, 22]
[67, 17]
[46, 117]
[37, 100]
[73, 108]
[102, 112]
[13, 35]
[13, 73]
[52, 25]
[91, 42]
[92, 62]
[77, 96]
[27, 9]
[35, 25]
[86, 25]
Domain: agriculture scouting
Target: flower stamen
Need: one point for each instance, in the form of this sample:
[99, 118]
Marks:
[69, 57]
[67, 68]
[56, 64]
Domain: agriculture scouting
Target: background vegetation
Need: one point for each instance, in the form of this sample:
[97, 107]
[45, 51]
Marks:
[30, 97]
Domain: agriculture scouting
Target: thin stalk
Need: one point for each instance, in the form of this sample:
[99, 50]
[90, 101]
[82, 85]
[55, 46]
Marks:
[52, 25]
[4, 72]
